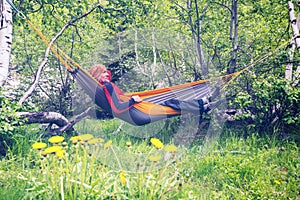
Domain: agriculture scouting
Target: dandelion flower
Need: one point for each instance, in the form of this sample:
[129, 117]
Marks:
[52, 149]
[93, 141]
[39, 145]
[123, 178]
[75, 139]
[86, 137]
[128, 144]
[60, 153]
[107, 144]
[154, 158]
[101, 140]
[277, 182]
[64, 171]
[170, 148]
[157, 143]
[56, 139]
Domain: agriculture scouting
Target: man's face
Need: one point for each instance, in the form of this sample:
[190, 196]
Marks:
[104, 77]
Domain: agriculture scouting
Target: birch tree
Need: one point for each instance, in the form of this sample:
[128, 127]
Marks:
[295, 42]
[5, 39]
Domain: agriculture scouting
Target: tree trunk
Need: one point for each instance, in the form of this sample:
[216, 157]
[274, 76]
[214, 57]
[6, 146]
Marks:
[296, 38]
[62, 123]
[5, 39]
[196, 34]
[44, 117]
[289, 66]
[293, 21]
[234, 36]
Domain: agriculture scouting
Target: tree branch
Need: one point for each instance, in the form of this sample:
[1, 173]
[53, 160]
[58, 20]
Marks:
[64, 125]
[41, 66]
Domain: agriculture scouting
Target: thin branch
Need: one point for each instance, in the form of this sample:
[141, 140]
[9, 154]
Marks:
[46, 58]
[75, 119]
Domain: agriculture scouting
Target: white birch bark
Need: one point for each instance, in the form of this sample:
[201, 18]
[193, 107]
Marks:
[5, 39]
[296, 38]
[295, 28]
[289, 66]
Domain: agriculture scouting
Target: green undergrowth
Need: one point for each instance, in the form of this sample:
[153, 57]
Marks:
[124, 166]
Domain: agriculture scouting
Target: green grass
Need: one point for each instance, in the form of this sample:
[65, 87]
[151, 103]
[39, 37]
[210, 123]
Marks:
[234, 168]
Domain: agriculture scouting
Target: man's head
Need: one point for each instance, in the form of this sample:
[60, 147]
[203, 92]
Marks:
[99, 72]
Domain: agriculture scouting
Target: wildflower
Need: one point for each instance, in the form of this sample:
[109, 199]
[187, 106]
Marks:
[128, 144]
[75, 139]
[60, 153]
[170, 148]
[52, 149]
[64, 171]
[154, 158]
[157, 143]
[107, 144]
[39, 145]
[100, 140]
[86, 137]
[93, 141]
[277, 182]
[56, 139]
[123, 178]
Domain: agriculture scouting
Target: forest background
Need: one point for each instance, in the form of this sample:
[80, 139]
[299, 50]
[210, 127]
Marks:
[155, 44]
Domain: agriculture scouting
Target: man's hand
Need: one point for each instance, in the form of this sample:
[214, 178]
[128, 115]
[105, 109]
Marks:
[137, 98]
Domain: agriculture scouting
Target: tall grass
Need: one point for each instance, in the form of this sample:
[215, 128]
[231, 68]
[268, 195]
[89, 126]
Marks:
[120, 168]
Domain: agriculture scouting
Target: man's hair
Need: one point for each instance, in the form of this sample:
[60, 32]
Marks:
[96, 70]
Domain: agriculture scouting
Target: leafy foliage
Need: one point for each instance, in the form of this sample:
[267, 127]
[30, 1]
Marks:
[10, 123]
[272, 102]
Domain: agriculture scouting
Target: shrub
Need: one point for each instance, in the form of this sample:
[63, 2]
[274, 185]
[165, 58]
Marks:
[10, 123]
[272, 103]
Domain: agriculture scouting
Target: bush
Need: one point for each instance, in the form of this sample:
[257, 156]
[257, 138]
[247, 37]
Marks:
[10, 123]
[272, 103]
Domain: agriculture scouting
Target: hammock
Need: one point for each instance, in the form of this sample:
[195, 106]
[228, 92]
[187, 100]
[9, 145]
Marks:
[157, 104]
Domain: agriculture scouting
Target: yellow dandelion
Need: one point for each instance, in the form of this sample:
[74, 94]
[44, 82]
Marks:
[154, 158]
[52, 149]
[39, 145]
[93, 141]
[56, 139]
[107, 144]
[128, 144]
[170, 148]
[277, 182]
[75, 139]
[157, 143]
[123, 178]
[60, 153]
[101, 140]
[64, 170]
[179, 163]
[86, 137]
